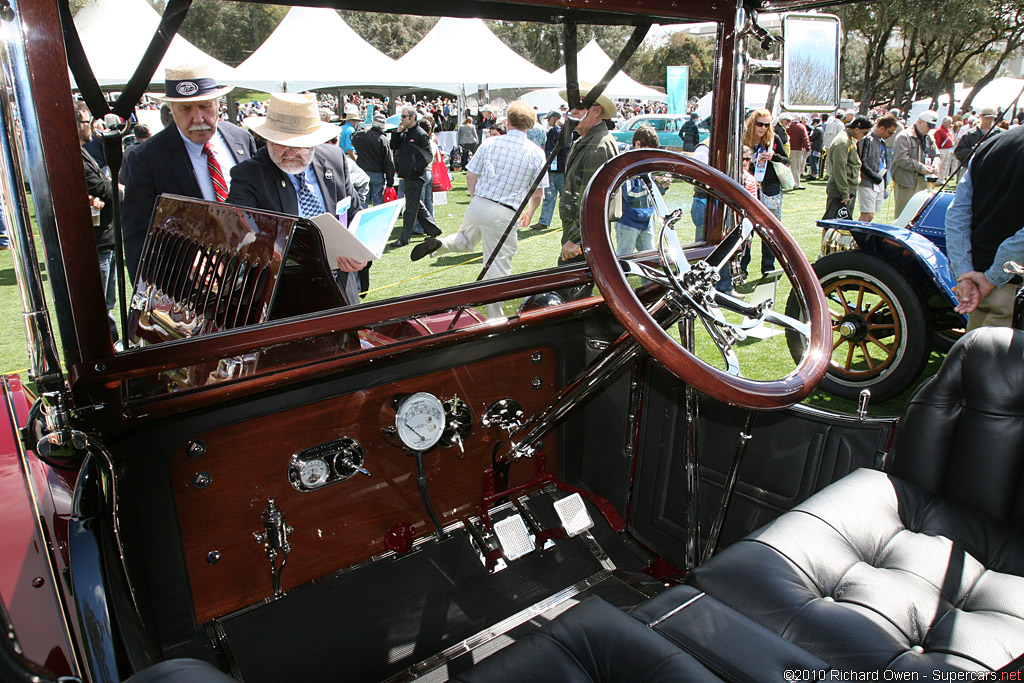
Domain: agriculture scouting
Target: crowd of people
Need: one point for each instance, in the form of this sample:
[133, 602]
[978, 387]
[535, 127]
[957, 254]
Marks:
[201, 153]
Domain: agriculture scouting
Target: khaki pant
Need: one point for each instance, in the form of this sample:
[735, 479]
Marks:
[903, 194]
[797, 158]
[995, 310]
[485, 221]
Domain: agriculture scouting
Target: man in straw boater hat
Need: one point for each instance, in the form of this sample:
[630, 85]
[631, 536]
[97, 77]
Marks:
[296, 173]
[192, 158]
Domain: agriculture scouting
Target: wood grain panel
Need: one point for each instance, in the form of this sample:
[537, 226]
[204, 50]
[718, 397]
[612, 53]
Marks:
[344, 523]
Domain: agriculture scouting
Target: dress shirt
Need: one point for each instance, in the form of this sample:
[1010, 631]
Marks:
[310, 175]
[199, 164]
[958, 238]
[507, 166]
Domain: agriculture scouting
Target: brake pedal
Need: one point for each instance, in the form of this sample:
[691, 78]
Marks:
[514, 537]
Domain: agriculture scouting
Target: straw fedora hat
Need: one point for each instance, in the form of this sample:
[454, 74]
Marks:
[293, 120]
[352, 113]
[191, 83]
[609, 107]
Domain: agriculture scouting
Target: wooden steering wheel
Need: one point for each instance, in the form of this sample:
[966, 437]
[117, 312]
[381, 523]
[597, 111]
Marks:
[690, 288]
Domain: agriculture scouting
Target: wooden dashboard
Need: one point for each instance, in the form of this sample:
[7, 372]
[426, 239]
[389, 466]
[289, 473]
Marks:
[222, 479]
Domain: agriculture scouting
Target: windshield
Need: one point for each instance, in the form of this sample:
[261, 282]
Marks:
[201, 267]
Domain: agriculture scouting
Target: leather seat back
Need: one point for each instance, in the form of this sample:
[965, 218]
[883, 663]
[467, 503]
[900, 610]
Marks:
[962, 435]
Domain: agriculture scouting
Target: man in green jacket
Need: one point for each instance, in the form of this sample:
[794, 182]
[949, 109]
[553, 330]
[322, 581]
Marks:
[594, 147]
[844, 167]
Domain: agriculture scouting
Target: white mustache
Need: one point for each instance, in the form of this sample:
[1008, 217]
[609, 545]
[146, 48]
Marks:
[199, 126]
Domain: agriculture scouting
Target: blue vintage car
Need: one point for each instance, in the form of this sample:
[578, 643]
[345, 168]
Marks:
[890, 293]
[666, 125]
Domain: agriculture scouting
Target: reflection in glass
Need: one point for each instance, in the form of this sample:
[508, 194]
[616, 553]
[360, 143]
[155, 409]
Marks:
[810, 70]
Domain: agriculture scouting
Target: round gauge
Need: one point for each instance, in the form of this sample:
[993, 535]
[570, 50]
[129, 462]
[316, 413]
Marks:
[420, 421]
[313, 473]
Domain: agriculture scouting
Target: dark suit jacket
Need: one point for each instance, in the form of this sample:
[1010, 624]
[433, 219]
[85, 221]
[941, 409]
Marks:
[98, 186]
[161, 166]
[259, 184]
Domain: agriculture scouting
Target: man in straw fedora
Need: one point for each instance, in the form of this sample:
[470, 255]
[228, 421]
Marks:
[296, 173]
[192, 158]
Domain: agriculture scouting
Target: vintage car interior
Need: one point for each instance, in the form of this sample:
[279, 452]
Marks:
[263, 486]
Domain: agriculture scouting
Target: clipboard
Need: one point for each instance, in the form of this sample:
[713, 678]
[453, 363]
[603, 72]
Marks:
[365, 238]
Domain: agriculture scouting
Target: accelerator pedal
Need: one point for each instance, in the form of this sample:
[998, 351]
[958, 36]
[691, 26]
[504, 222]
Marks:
[573, 514]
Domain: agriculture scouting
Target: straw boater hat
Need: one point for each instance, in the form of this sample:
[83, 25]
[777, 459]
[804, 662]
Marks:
[293, 120]
[191, 83]
[609, 107]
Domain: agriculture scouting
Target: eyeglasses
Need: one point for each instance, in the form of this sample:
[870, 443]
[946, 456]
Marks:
[762, 124]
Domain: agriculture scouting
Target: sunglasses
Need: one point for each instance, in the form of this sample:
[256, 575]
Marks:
[84, 121]
[762, 124]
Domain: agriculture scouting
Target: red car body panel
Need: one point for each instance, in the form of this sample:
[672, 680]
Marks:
[27, 575]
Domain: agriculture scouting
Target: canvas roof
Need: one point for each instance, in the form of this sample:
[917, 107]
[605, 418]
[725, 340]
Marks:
[464, 52]
[133, 22]
[592, 63]
[314, 48]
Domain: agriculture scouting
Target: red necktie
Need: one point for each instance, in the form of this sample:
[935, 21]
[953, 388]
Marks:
[220, 187]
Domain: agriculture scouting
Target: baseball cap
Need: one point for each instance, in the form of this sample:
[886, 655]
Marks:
[929, 117]
[860, 122]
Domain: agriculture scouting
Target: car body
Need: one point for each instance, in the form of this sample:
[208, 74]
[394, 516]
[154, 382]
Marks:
[263, 484]
[900, 274]
[666, 125]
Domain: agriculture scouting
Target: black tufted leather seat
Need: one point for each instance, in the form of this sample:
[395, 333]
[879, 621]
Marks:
[918, 570]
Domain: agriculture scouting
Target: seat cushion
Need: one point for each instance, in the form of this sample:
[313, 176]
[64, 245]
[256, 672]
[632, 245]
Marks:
[875, 573]
[181, 671]
[722, 639]
[592, 642]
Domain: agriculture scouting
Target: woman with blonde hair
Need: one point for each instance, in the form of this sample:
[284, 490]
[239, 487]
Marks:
[768, 150]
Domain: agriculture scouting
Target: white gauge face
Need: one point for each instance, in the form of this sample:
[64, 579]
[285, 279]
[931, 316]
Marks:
[313, 473]
[420, 421]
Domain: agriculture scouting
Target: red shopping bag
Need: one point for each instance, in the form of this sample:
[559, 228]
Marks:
[390, 194]
[442, 181]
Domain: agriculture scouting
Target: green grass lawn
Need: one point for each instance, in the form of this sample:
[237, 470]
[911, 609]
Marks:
[396, 275]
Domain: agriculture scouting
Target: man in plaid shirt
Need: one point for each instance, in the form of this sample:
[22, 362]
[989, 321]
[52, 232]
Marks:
[498, 177]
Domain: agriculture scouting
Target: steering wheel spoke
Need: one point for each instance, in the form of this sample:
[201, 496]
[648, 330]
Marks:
[691, 286]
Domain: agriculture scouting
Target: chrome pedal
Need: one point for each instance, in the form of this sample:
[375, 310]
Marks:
[573, 514]
[514, 537]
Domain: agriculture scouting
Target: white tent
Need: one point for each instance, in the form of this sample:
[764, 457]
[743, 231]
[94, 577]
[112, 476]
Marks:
[460, 53]
[315, 48]
[592, 63]
[116, 33]
[755, 96]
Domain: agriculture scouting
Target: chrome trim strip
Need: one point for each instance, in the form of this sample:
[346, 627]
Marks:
[676, 610]
[54, 578]
[18, 115]
[500, 628]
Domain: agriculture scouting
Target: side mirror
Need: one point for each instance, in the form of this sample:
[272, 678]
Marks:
[810, 62]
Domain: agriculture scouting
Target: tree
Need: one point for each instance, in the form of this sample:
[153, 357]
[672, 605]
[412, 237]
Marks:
[392, 34]
[230, 31]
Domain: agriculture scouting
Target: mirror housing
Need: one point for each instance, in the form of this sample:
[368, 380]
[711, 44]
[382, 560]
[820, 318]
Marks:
[810, 62]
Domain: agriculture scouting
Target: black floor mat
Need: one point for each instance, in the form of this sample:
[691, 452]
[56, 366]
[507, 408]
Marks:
[369, 623]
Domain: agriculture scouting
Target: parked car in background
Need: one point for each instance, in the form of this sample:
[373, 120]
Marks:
[891, 296]
[666, 125]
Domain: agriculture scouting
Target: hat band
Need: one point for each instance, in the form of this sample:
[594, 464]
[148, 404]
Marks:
[191, 87]
[295, 125]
